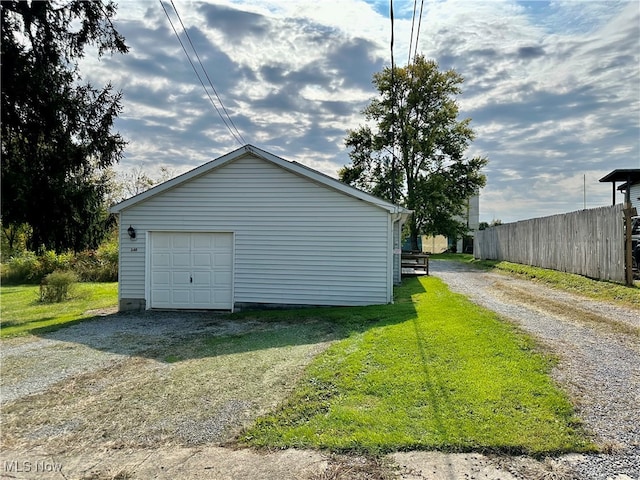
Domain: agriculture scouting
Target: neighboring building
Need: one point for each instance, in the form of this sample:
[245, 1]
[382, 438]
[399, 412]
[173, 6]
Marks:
[472, 219]
[437, 244]
[251, 229]
[440, 243]
[630, 179]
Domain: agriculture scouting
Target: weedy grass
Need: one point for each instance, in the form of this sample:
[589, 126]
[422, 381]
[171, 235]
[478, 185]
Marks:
[433, 371]
[569, 282]
[22, 312]
[597, 289]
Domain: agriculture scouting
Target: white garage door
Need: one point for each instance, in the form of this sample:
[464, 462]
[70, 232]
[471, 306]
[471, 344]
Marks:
[191, 270]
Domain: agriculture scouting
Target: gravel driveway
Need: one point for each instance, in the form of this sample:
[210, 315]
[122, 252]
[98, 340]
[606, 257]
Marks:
[597, 344]
[95, 345]
[599, 357]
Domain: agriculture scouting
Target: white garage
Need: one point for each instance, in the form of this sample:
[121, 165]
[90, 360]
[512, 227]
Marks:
[250, 229]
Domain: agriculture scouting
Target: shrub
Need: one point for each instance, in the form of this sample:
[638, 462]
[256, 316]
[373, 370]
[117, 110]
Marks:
[23, 268]
[27, 267]
[52, 261]
[57, 286]
[100, 265]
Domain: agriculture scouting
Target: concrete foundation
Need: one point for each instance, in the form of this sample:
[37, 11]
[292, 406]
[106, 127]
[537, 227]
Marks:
[132, 304]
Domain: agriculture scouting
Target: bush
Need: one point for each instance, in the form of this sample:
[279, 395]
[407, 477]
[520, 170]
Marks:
[100, 265]
[23, 268]
[52, 261]
[27, 267]
[57, 286]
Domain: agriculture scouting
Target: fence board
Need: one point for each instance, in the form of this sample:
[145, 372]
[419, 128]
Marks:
[587, 242]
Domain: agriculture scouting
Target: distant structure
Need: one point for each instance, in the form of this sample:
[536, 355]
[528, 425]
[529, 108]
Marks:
[440, 243]
[472, 217]
[630, 179]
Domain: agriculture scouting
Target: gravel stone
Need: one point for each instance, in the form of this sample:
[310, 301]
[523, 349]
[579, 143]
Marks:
[214, 429]
[101, 343]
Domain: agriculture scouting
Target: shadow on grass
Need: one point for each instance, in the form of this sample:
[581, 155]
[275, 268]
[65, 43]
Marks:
[41, 326]
[173, 336]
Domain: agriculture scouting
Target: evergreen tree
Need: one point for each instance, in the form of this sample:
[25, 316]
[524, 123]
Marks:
[56, 130]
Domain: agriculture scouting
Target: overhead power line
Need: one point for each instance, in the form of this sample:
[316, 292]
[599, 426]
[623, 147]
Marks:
[393, 108]
[413, 47]
[228, 122]
[413, 21]
[415, 53]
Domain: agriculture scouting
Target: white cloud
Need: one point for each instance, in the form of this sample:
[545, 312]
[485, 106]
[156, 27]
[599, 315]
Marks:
[553, 88]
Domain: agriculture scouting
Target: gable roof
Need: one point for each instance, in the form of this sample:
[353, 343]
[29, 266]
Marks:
[294, 167]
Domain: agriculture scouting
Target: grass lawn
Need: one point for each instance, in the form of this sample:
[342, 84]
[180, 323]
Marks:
[22, 312]
[433, 371]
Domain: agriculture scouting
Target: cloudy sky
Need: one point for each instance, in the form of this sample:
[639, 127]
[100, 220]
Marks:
[552, 87]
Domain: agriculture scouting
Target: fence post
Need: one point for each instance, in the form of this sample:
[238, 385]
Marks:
[629, 211]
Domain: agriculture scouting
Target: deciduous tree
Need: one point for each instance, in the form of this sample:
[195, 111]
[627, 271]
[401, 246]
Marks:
[412, 150]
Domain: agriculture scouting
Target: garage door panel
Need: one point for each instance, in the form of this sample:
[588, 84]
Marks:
[180, 278]
[181, 259]
[222, 260]
[222, 296]
[181, 297]
[202, 260]
[202, 279]
[181, 241]
[202, 297]
[221, 279]
[161, 260]
[163, 241]
[202, 241]
[161, 278]
[162, 296]
[191, 270]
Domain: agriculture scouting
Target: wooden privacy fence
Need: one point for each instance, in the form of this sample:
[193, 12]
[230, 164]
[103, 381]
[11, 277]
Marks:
[588, 242]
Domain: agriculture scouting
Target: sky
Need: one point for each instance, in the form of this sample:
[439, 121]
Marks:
[552, 87]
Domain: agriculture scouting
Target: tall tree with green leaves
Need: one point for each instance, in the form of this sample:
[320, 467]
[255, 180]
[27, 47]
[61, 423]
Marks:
[412, 148]
[57, 139]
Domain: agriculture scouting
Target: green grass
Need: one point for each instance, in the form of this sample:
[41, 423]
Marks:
[458, 257]
[433, 371]
[22, 312]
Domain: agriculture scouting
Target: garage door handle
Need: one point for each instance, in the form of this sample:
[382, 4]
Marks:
[190, 279]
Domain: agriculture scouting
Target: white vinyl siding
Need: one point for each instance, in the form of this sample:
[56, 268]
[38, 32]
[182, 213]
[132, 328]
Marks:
[296, 241]
[635, 196]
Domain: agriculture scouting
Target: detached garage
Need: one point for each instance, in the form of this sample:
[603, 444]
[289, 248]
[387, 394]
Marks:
[251, 229]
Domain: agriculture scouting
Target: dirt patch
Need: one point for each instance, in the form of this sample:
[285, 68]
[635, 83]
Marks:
[166, 464]
[220, 463]
[181, 391]
[566, 307]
